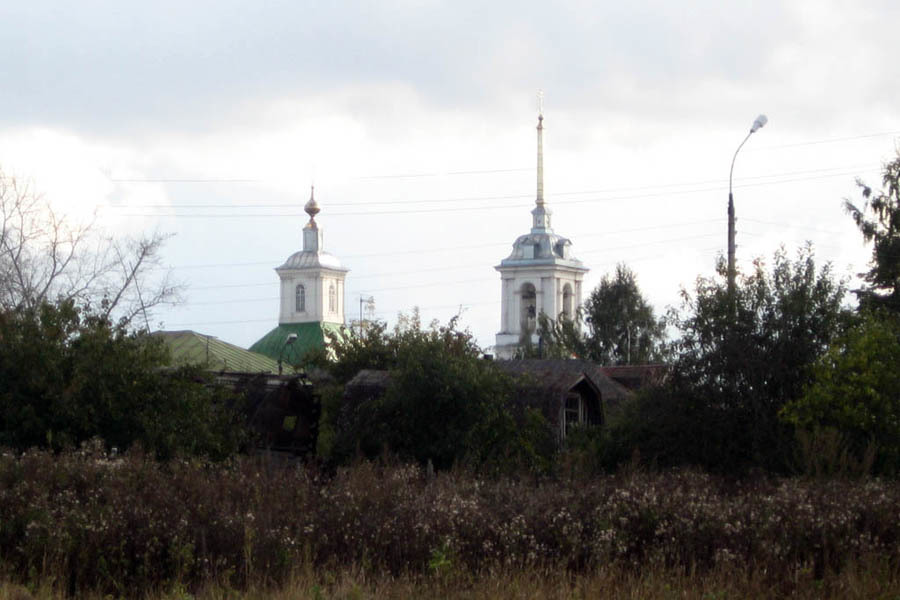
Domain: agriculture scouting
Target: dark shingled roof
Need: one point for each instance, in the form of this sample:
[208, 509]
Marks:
[540, 383]
[635, 377]
[560, 375]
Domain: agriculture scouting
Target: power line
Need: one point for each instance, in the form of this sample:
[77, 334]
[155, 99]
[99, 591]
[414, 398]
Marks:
[477, 208]
[151, 180]
[828, 140]
[360, 290]
[497, 197]
[470, 172]
[717, 182]
[452, 248]
[793, 226]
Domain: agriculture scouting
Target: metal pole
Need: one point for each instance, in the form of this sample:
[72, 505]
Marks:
[760, 122]
[731, 267]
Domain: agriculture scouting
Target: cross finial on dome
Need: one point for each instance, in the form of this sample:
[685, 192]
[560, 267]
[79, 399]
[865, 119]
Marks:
[312, 207]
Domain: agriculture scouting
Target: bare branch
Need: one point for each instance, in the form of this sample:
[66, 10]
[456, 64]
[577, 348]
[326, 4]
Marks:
[45, 258]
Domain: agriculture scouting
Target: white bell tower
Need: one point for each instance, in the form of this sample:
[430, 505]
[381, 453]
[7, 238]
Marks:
[539, 276]
[312, 280]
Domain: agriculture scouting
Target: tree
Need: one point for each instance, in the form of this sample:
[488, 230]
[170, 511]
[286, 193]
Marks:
[623, 328]
[68, 375]
[856, 391]
[879, 221]
[443, 403]
[620, 325]
[44, 258]
[740, 359]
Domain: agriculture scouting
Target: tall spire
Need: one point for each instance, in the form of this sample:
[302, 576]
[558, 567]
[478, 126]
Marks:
[540, 213]
[540, 150]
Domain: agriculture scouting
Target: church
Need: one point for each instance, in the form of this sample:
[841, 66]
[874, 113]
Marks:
[540, 275]
[311, 299]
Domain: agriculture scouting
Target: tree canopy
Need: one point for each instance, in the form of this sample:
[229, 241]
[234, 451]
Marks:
[856, 391]
[444, 402]
[68, 375]
[878, 220]
[615, 326]
[740, 359]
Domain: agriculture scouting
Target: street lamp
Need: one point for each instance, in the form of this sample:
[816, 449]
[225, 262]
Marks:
[290, 339]
[760, 121]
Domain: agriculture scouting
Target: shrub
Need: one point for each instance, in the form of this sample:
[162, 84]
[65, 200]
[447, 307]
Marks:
[68, 375]
[129, 523]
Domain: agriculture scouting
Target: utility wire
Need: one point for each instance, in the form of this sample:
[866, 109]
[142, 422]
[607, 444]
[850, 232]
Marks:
[475, 208]
[472, 172]
[454, 248]
[497, 197]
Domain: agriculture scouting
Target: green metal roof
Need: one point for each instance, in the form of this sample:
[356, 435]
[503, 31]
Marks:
[192, 348]
[309, 337]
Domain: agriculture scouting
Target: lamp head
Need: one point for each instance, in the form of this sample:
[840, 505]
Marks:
[758, 123]
[291, 338]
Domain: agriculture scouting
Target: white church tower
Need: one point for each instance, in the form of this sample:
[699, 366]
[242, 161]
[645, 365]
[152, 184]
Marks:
[311, 298]
[539, 276]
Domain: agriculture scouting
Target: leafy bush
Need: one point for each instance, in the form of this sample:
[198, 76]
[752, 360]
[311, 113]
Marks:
[741, 357]
[68, 375]
[444, 403]
[856, 392]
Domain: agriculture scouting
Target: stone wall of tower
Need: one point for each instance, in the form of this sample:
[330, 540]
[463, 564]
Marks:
[549, 284]
[316, 284]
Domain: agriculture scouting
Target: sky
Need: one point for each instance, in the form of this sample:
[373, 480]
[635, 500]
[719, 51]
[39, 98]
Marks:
[416, 121]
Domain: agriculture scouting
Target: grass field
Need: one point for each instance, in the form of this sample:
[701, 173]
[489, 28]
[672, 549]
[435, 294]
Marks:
[82, 524]
[858, 582]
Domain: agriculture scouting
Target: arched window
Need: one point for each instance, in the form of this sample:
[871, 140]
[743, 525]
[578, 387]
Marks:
[332, 298]
[529, 307]
[568, 309]
[300, 299]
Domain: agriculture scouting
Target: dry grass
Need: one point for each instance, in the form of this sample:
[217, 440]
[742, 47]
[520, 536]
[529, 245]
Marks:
[613, 583]
[81, 523]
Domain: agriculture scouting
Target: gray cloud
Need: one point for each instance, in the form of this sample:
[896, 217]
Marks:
[104, 67]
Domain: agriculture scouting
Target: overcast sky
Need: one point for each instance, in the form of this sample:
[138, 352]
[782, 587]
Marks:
[416, 122]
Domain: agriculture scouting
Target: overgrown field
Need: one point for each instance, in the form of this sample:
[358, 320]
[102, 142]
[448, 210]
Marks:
[83, 522]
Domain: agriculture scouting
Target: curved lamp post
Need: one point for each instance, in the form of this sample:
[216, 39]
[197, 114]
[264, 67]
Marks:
[760, 121]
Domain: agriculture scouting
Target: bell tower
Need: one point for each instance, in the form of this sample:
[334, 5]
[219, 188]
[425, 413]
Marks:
[539, 276]
[311, 299]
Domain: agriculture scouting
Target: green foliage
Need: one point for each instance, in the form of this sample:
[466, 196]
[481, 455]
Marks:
[856, 391]
[623, 328]
[879, 222]
[375, 348]
[620, 326]
[67, 375]
[444, 403]
[740, 359]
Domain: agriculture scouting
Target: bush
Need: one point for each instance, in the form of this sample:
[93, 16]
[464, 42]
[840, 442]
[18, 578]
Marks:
[68, 375]
[444, 403]
[125, 524]
[742, 356]
[856, 393]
